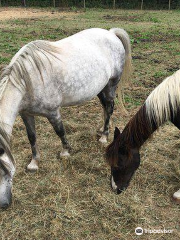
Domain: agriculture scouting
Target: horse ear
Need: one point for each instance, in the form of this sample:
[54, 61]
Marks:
[116, 132]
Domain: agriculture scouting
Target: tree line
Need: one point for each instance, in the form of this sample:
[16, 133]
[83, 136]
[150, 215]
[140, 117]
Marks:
[133, 4]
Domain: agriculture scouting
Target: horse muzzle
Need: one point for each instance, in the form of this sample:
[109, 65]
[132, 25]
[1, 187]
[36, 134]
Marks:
[115, 188]
[121, 190]
[6, 201]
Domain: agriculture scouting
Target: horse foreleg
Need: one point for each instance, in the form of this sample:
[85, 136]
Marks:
[31, 132]
[56, 122]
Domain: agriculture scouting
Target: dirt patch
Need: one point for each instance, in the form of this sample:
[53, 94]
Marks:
[121, 18]
[19, 13]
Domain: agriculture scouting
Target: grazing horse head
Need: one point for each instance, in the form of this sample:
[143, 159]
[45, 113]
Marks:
[7, 170]
[123, 161]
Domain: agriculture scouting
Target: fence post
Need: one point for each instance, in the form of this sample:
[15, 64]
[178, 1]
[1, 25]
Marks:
[24, 3]
[84, 4]
[114, 4]
[54, 3]
[169, 4]
[142, 2]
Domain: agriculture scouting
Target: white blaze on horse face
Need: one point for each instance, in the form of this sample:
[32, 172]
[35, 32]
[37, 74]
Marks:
[113, 184]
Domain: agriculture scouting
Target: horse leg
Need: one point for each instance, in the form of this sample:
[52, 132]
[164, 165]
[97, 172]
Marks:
[106, 97]
[56, 122]
[31, 132]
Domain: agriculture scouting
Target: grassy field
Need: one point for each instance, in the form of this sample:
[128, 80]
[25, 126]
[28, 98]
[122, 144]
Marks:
[71, 198]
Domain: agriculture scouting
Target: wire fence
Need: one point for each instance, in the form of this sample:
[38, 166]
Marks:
[129, 4]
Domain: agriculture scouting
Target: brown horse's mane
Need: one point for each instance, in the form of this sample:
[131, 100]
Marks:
[136, 132]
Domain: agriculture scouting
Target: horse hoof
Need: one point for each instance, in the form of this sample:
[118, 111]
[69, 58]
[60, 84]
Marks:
[103, 139]
[32, 167]
[64, 153]
[176, 196]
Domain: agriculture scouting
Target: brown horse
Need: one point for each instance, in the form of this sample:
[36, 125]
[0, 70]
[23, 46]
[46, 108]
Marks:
[122, 154]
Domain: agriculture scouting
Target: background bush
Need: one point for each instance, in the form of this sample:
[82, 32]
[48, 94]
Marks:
[129, 4]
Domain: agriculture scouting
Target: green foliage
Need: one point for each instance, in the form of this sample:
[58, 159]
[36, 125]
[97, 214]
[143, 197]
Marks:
[131, 4]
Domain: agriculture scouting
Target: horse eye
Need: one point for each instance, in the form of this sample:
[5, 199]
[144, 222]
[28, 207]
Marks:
[1, 151]
[3, 168]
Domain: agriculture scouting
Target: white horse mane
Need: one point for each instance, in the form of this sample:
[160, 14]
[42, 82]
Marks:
[164, 99]
[17, 73]
[5, 144]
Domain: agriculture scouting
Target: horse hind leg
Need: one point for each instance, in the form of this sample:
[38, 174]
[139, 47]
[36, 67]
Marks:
[106, 97]
[56, 121]
[31, 132]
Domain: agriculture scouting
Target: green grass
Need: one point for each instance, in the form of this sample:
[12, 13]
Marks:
[71, 198]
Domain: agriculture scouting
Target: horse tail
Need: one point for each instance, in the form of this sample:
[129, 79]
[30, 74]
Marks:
[127, 70]
[162, 104]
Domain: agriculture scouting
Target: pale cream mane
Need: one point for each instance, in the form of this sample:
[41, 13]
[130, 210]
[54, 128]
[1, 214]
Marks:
[164, 99]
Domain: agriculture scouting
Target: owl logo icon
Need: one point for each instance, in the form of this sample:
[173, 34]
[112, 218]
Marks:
[139, 231]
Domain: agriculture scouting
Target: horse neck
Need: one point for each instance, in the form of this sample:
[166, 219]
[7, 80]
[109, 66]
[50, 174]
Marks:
[138, 130]
[9, 106]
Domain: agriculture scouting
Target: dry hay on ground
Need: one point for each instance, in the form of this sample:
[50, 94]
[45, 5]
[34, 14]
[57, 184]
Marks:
[71, 198]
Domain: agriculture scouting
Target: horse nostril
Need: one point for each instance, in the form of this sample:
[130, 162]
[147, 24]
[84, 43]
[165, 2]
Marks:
[5, 206]
[119, 191]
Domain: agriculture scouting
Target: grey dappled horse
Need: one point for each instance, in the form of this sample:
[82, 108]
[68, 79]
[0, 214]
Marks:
[44, 76]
